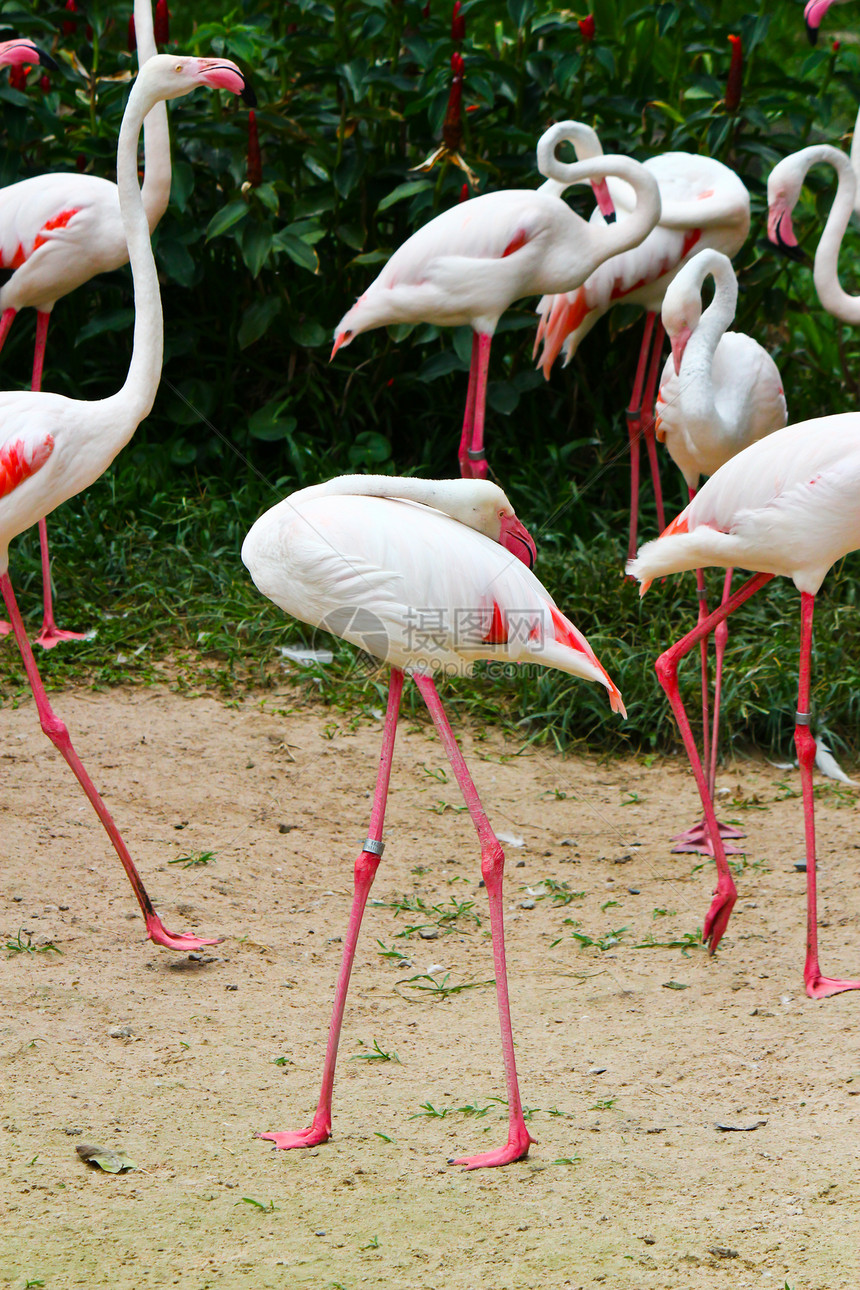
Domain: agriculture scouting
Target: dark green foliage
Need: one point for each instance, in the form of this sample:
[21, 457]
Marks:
[352, 98]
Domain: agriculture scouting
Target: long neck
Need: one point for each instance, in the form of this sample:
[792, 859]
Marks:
[134, 401]
[156, 133]
[585, 143]
[826, 268]
[464, 500]
[696, 376]
[855, 163]
[612, 239]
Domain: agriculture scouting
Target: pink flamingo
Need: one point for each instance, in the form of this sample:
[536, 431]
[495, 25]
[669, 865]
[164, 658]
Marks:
[469, 264]
[703, 204]
[419, 573]
[812, 15]
[52, 447]
[720, 391]
[783, 191]
[786, 506]
[59, 230]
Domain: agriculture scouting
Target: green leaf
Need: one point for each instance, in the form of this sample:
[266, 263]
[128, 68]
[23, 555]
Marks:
[268, 426]
[115, 320]
[176, 260]
[225, 218]
[256, 242]
[257, 319]
[181, 184]
[309, 334]
[403, 191]
[298, 250]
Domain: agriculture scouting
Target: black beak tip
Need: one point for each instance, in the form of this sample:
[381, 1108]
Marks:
[812, 34]
[46, 60]
[610, 218]
[248, 96]
[789, 252]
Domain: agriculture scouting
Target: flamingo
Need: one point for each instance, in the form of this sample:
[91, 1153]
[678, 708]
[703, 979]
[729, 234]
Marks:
[23, 53]
[720, 391]
[420, 573]
[812, 15]
[703, 204]
[473, 261]
[52, 447]
[787, 506]
[783, 190]
[56, 232]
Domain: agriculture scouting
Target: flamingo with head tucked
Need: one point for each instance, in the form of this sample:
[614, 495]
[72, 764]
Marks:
[428, 576]
[57, 231]
[703, 204]
[469, 264]
[787, 506]
[720, 391]
[52, 447]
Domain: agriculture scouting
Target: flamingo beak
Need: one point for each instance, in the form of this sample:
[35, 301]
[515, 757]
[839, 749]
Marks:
[227, 76]
[781, 232]
[515, 537]
[341, 338]
[679, 344]
[605, 203]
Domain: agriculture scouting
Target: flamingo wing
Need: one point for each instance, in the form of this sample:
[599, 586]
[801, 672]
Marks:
[21, 457]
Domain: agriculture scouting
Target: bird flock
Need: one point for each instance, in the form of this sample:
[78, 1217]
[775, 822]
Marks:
[430, 576]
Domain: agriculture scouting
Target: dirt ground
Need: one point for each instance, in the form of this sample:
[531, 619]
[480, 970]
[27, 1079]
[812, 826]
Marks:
[179, 1059]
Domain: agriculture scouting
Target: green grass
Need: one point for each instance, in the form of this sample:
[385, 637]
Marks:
[151, 557]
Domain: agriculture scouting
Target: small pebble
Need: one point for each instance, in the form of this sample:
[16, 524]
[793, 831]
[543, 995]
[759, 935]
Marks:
[231, 987]
[320, 1232]
[521, 864]
[527, 904]
[634, 891]
[120, 1032]
[428, 934]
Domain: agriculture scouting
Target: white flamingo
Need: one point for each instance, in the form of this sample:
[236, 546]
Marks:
[52, 447]
[427, 576]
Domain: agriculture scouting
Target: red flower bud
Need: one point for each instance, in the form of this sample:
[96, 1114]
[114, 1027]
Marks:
[81, 161]
[425, 12]
[458, 23]
[836, 45]
[255, 160]
[162, 23]
[735, 77]
[586, 26]
[464, 193]
[452, 126]
[45, 83]
[18, 78]
[69, 26]
[132, 35]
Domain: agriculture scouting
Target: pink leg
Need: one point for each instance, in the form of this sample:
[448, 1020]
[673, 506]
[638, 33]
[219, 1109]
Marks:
[667, 673]
[365, 871]
[469, 414]
[50, 635]
[817, 986]
[697, 839]
[6, 320]
[634, 429]
[59, 736]
[476, 455]
[647, 414]
[492, 865]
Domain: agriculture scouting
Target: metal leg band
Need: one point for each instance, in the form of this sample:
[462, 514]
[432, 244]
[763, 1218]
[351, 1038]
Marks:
[375, 848]
[476, 454]
[801, 718]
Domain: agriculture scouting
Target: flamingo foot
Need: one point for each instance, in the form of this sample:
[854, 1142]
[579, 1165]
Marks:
[697, 839]
[310, 1137]
[516, 1148]
[718, 915]
[822, 987]
[158, 933]
[50, 636]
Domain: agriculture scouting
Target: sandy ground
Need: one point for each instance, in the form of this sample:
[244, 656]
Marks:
[179, 1060]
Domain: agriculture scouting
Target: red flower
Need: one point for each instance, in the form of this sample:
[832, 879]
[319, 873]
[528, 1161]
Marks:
[586, 26]
[162, 23]
[18, 78]
[464, 193]
[132, 35]
[255, 160]
[425, 12]
[69, 26]
[452, 126]
[458, 23]
[735, 77]
[836, 45]
[45, 83]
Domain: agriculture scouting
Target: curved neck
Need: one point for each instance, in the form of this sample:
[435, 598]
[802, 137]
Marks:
[156, 133]
[612, 239]
[474, 502]
[585, 144]
[134, 401]
[696, 375]
[826, 268]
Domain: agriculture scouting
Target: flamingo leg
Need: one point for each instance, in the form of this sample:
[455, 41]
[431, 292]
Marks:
[492, 866]
[647, 418]
[725, 892]
[817, 986]
[469, 414]
[634, 428]
[56, 731]
[50, 635]
[477, 458]
[6, 320]
[365, 871]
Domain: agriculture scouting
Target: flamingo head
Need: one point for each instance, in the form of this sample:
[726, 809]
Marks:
[515, 537]
[682, 310]
[168, 76]
[812, 15]
[783, 190]
[16, 53]
[372, 309]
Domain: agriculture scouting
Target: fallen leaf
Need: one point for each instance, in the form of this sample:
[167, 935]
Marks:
[112, 1162]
